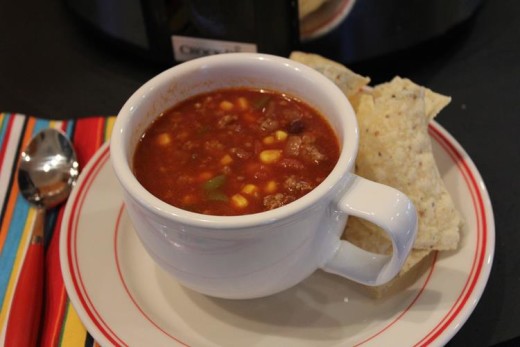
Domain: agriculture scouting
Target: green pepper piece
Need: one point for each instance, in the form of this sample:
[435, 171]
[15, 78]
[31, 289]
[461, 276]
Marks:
[214, 183]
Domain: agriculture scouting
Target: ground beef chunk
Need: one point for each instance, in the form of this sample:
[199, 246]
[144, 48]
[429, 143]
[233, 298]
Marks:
[212, 145]
[269, 124]
[277, 200]
[291, 163]
[294, 184]
[292, 146]
[226, 120]
[304, 147]
[229, 122]
[309, 151]
[241, 153]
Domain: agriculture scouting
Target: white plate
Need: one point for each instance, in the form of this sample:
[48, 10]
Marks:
[123, 298]
[326, 18]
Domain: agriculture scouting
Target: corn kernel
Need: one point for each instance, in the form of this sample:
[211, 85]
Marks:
[271, 187]
[242, 103]
[239, 201]
[268, 140]
[270, 156]
[226, 105]
[164, 139]
[249, 189]
[280, 135]
[226, 160]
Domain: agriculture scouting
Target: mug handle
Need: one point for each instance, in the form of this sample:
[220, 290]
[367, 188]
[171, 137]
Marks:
[387, 208]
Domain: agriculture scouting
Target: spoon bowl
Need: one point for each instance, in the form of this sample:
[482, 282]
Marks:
[47, 171]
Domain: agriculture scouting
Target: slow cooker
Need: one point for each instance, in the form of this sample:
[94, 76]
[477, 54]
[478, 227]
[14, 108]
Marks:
[172, 31]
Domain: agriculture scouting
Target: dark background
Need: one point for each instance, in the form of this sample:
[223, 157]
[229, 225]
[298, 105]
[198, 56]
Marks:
[50, 66]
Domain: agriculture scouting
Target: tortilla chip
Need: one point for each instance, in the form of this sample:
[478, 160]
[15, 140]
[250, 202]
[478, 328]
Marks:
[434, 102]
[395, 149]
[421, 261]
[349, 82]
[374, 240]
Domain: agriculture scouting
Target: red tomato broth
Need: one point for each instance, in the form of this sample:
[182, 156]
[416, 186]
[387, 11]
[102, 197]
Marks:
[235, 151]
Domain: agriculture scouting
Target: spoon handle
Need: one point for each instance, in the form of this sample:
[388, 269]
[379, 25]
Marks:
[23, 326]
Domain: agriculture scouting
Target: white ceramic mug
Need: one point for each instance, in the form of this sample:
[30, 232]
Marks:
[260, 254]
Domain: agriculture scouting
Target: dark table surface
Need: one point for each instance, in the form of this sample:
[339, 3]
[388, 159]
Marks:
[51, 67]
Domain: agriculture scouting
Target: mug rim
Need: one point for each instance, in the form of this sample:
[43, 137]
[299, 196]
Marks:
[122, 166]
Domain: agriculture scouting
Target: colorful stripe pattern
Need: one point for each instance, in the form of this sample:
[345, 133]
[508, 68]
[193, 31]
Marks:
[61, 325]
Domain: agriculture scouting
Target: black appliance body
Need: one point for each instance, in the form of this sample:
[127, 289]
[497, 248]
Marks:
[172, 31]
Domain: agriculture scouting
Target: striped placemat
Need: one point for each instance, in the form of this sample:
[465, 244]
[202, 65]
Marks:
[60, 323]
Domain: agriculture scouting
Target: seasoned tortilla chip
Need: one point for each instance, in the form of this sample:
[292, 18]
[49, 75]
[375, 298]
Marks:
[434, 102]
[349, 82]
[374, 240]
[395, 149]
[421, 261]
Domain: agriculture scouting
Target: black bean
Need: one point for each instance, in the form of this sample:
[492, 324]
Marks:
[296, 126]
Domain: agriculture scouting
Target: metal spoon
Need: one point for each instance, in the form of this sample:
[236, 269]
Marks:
[47, 172]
